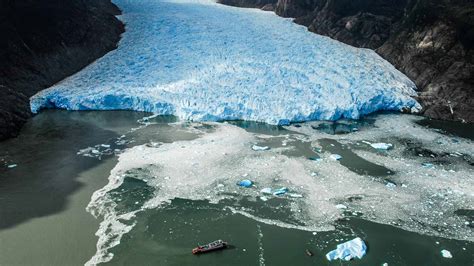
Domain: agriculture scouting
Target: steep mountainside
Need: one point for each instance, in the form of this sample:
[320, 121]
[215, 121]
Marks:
[44, 41]
[430, 41]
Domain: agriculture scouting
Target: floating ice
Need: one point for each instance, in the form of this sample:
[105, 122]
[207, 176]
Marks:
[354, 248]
[245, 183]
[381, 146]
[178, 57]
[12, 166]
[260, 148]
[316, 159]
[446, 254]
[425, 204]
[335, 157]
[295, 195]
[427, 165]
[280, 191]
[266, 190]
[263, 198]
[341, 206]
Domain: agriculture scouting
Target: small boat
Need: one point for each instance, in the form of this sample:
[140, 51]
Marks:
[216, 245]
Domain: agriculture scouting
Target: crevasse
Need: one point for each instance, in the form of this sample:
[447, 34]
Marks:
[203, 61]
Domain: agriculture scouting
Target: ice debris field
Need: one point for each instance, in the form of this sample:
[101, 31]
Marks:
[222, 164]
[200, 60]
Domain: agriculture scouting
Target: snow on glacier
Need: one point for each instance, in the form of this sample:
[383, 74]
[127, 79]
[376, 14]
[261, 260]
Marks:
[201, 60]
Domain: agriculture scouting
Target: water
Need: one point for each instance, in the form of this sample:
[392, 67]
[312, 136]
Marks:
[43, 199]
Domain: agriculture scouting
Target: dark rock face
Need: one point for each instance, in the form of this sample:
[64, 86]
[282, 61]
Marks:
[44, 41]
[431, 41]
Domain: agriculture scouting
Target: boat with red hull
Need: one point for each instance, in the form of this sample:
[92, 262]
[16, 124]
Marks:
[213, 246]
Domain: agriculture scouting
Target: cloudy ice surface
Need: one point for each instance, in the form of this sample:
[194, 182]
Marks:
[209, 167]
[200, 60]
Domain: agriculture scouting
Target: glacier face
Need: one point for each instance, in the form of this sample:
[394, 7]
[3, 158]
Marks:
[201, 60]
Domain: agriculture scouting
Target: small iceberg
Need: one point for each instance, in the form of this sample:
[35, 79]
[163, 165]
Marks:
[381, 146]
[446, 254]
[280, 191]
[263, 198]
[266, 190]
[245, 183]
[335, 157]
[354, 248]
[427, 165]
[390, 185]
[316, 159]
[260, 148]
[295, 195]
[12, 166]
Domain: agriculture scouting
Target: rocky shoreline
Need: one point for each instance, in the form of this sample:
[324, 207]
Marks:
[45, 41]
[430, 41]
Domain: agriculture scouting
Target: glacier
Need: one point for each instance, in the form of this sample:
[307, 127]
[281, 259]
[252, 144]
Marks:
[200, 60]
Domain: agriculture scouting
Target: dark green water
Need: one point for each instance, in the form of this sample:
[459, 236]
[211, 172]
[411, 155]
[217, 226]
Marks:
[43, 219]
[465, 130]
[166, 237]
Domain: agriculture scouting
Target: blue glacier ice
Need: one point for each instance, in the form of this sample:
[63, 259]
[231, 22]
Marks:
[354, 248]
[201, 60]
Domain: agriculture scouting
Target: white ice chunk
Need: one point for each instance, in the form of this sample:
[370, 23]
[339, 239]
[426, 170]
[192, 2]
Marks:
[381, 146]
[295, 195]
[280, 191]
[354, 248]
[335, 157]
[260, 148]
[446, 254]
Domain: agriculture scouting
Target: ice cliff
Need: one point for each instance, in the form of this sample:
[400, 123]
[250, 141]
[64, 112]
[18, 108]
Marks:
[203, 61]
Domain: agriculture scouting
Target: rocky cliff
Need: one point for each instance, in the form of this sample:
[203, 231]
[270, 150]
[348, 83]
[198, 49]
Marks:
[430, 41]
[44, 41]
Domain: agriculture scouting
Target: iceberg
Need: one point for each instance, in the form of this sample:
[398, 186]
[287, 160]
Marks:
[260, 148]
[446, 254]
[178, 57]
[335, 157]
[245, 183]
[381, 146]
[280, 191]
[354, 248]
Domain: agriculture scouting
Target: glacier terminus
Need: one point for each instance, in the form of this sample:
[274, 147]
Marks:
[203, 61]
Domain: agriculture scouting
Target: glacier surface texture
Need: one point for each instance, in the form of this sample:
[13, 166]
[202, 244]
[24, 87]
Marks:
[201, 60]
